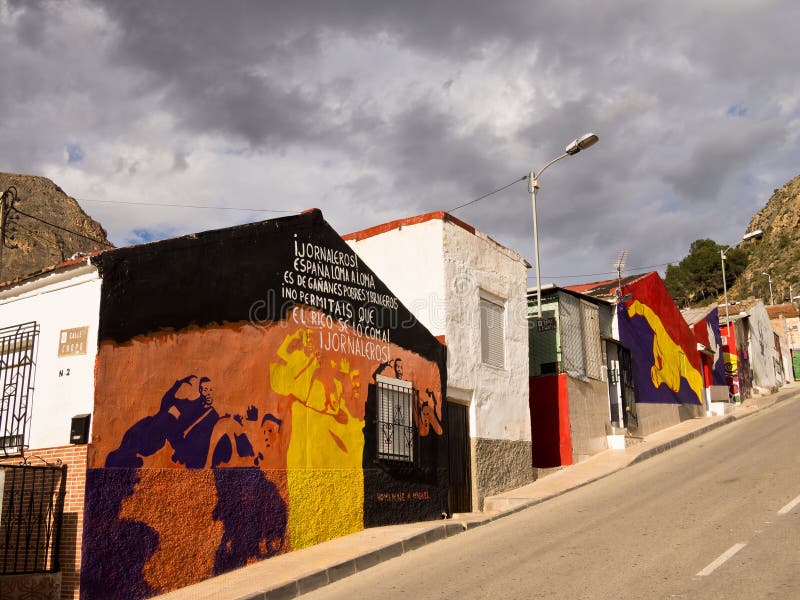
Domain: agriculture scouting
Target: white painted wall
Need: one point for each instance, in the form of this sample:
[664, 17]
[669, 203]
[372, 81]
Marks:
[474, 264]
[438, 269]
[409, 260]
[763, 354]
[64, 386]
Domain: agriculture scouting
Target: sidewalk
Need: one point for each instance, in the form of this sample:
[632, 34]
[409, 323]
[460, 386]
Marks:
[295, 573]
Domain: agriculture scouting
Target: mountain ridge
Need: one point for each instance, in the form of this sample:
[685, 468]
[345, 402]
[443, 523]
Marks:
[44, 226]
[776, 251]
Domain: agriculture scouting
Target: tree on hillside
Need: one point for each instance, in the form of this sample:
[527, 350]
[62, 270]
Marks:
[698, 277]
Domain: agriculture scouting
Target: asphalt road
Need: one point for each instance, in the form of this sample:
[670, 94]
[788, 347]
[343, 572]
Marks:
[717, 517]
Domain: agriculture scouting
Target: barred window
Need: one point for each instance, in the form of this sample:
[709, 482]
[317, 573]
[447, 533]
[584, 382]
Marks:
[590, 325]
[17, 364]
[492, 333]
[396, 432]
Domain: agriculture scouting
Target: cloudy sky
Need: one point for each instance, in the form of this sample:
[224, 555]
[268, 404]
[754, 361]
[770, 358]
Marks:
[373, 111]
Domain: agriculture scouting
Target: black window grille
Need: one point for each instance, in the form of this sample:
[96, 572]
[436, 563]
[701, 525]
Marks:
[31, 510]
[17, 370]
[397, 434]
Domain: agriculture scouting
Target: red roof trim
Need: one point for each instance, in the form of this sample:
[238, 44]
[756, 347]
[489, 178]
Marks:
[607, 287]
[51, 269]
[383, 228]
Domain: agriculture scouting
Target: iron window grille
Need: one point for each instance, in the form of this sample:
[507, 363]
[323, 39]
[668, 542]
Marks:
[592, 350]
[17, 371]
[396, 431]
[31, 511]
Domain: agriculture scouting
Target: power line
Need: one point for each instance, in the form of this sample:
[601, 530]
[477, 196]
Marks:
[523, 178]
[266, 210]
[37, 236]
[62, 228]
[629, 271]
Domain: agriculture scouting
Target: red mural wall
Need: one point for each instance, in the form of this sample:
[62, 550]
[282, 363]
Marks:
[666, 363]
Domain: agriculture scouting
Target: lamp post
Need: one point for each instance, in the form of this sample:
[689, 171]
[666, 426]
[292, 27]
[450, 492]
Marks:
[582, 143]
[771, 297]
[723, 256]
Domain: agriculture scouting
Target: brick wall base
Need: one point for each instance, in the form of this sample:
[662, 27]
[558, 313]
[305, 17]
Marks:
[39, 586]
[72, 525]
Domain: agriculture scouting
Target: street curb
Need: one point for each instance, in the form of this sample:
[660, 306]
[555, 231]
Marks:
[656, 450]
[313, 581]
[417, 541]
[649, 453]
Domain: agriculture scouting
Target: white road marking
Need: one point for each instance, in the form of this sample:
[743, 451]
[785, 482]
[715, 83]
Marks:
[722, 558]
[786, 509]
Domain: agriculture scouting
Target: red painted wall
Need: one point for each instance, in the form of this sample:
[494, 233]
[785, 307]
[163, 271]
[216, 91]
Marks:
[550, 428]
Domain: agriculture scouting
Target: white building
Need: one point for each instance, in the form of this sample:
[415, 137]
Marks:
[470, 292]
[48, 345]
[764, 349]
[56, 312]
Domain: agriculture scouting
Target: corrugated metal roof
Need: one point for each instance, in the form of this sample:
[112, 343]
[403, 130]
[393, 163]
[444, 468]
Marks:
[695, 315]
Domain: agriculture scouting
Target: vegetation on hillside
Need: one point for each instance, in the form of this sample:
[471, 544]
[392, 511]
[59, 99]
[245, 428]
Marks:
[697, 279]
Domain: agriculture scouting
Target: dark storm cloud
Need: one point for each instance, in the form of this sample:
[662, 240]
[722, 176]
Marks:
[413, 106]
[719, 154]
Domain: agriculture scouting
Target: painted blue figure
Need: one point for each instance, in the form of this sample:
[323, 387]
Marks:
[253, 515]
[186, 424]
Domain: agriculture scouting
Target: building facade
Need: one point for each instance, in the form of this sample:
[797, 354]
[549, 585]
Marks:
[573, 401]
[252, 391]
[471, 293]
[666, 366]
[764, 349]
[785, 319]
[48, 344]
[706, 328]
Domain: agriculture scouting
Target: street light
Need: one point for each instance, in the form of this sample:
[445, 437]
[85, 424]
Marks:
[723, 256]
[575, 146]
[771, 297]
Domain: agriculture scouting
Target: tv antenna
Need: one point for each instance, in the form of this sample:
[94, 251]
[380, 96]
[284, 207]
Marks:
[619, 264]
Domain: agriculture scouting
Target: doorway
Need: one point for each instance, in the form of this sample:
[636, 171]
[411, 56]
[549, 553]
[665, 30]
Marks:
[459, 495]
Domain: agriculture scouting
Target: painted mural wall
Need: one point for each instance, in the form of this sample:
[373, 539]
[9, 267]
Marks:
[236, 406]
[737, 360]
[666, 364]
[764, 355]
[707, 333]
[731, 358]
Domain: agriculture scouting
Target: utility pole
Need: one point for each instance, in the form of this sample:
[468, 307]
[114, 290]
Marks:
[725, 287]
[5, 208]
[771, 297]
[3, 213]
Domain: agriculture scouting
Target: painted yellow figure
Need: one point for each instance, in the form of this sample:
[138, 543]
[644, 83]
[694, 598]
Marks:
[669, 358]
[324, 472]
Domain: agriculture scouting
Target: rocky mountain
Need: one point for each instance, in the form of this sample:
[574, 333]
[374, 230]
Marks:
[43, 226]
[776, 251]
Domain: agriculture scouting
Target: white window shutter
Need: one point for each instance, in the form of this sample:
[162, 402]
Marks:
[492, 333]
